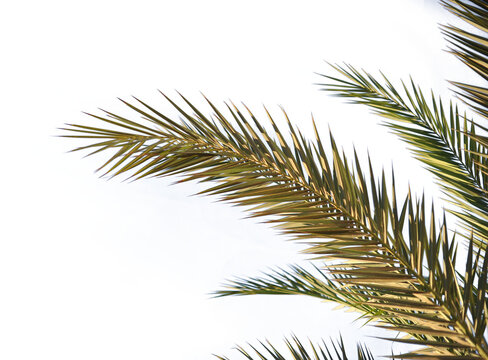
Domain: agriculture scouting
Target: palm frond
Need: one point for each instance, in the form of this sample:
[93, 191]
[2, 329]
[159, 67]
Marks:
[299, 281]
[294, 281]
[439, 136]
[352, 222]
[471, 47]
[297, 350]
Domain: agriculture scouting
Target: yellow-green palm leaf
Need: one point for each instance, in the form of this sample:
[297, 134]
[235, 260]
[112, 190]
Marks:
[388, 260]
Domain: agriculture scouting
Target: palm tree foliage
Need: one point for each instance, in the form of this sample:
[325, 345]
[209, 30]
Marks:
[471, 47]
[299, 351]
[439, 136]
[382, 255]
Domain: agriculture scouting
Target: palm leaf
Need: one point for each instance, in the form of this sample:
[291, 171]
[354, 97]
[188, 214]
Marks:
[294, 281]
[347, 219]
[439, 136]
[471, 47]
[298, 281]
[297, 350]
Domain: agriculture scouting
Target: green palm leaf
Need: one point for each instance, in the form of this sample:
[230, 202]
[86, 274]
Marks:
[298, 281]
[471, 47]
[294, 281]
[439, 136]
[297, 350]
[408, 281]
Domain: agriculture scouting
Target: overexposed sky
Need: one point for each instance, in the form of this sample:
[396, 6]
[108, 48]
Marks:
[96, 269]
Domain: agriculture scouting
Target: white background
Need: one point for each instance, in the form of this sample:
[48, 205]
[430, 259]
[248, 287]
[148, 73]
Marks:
[96, 269]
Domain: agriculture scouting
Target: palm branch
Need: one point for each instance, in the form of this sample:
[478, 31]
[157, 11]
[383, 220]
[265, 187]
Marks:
[438, 135]
[388, 260]
[298, 281]
[299, 351]
[471, 47]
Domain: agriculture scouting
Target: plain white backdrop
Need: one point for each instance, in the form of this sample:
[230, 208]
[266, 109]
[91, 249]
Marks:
[96, 269]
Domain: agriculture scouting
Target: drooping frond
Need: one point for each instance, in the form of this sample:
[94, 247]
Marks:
[297, 350]
[471, 47]
[438, 135]
[347, 219]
